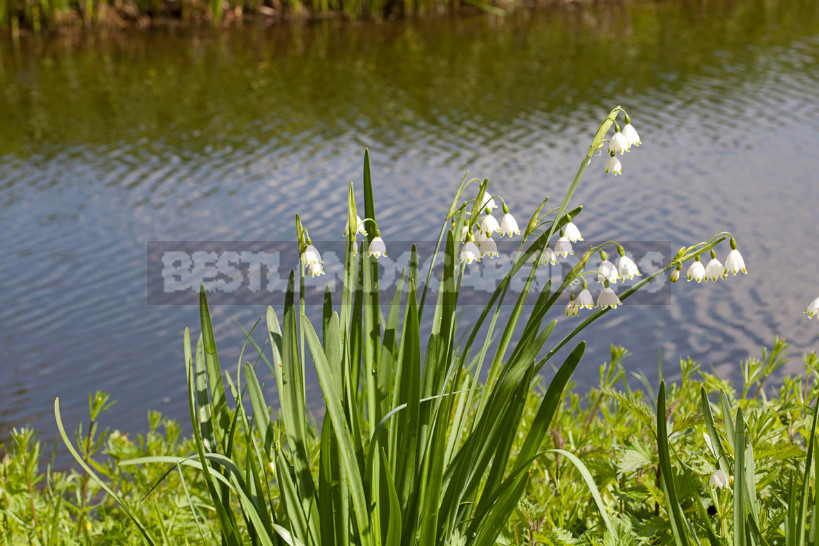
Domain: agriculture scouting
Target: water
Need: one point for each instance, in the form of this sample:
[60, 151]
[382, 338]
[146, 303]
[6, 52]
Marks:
[108, 142]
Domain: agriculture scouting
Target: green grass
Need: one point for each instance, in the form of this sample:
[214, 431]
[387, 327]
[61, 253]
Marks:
[605, 436]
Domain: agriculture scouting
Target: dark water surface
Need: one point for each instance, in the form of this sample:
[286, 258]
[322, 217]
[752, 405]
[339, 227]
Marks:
[108, 142]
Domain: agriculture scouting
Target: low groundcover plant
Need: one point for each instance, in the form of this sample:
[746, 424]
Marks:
[430, 435]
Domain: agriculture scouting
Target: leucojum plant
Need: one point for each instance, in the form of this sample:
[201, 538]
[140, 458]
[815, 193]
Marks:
[416, 444]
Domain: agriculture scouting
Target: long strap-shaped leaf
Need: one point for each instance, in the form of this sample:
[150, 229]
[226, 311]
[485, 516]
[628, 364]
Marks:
[675, 514]
[739, 481]
[221, 414]
[329, 386]
[803, 501]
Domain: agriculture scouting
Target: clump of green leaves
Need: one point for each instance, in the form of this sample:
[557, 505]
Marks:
[611, 430]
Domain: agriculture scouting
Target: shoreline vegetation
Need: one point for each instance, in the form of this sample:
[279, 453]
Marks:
[434, 434]
[35, 16]
[600, 470]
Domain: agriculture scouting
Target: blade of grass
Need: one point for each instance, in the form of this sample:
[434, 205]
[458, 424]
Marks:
[87, 468]
[587, 477]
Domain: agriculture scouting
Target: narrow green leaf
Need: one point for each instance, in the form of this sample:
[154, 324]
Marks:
[803, 501]
[393, 536]
[220, 412]
[595, 492]
[87, 468]
[675, 515]
[739, 481]
[346, 450]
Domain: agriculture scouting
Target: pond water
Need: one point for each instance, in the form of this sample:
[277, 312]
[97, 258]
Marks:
[110, 141]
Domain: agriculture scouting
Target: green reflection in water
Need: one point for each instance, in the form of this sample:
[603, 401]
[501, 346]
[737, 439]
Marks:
[303, 85]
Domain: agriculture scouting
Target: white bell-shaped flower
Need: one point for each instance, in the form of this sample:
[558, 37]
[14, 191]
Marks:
[696, 271]
[377, 248]
[355, 248]
[631, 135]
[613, 166]
[585, 299]
[359, 229]
[718, 480]
[675, 276]
[488, 200]
[608, 298]
[470, 252]
[571, 232]
[563, 247]
[627, 268]
[813, 308]
[548, 256]
[607, 271]
[310, 256]
[315, 269]
[490, 224]
[509, 225]
[572, 309]
[618, 143]
[488, 247]
[734, 262]
[714, 270]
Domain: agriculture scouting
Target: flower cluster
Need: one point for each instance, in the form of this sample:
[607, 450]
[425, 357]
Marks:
[607, 274]
[477, 238]
[714, 270]
[620, 143]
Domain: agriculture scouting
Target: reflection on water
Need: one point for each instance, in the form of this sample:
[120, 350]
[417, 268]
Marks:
[108, 142]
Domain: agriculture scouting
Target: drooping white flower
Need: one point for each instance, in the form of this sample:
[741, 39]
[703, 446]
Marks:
[675, 276]
[488, 247]
[509, 226]
[488, 200]
[631, 135]
[470, 253]
[714, 270]
[696, 271]
[618, 144]
[607, 271]
[315, 269]
[310, 256]
[563, 247]
[613, 166]
[464, 233]
[813, 308]
[359, 227]
[571, 232]
[608, 298]
[585, 299]
[572, 309]
[734, 262]
[377, 248]
[627, 268]
[355, 248]
[490, 224]
[548, 256]
[718, 480]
